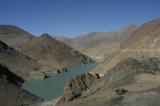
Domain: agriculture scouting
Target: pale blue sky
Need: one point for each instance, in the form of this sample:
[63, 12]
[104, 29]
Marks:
[75, 17]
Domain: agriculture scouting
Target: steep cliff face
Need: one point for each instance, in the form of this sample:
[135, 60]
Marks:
[11, 93]
[75, 87]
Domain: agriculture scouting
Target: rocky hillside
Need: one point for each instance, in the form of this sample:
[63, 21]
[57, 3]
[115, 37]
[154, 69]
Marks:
[143, 43]
[130, 83]
[145, 37]
[17, 62]
[11, 93]
[14, 36]
[52, 53]
[126, 31]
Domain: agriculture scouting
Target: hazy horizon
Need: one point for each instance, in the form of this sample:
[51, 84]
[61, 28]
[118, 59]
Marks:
[75, 17]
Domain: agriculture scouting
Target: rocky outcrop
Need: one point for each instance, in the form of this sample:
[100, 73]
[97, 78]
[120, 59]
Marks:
[11, 93]
[62, 70]
[76, 86]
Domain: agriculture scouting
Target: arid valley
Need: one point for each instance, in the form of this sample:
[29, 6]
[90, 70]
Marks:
[92, 68]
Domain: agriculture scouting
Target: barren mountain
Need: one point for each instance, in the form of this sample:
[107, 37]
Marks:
[145, 37]
[20, 64]
[102, 45]
[14, 36]
[52, 53]
[126, 31]
[47, 51]
[99, 45]
[143, 43]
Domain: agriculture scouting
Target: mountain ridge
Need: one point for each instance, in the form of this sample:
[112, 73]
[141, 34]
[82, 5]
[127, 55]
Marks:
[14, 36]
[53, 53]
[100, 45]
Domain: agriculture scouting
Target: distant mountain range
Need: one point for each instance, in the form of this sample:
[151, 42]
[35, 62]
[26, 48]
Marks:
[99, 45]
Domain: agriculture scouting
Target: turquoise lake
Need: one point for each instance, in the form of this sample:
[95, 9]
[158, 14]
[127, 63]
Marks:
[53, 87]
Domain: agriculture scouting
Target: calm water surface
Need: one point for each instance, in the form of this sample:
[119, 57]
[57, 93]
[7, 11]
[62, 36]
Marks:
[53, 87]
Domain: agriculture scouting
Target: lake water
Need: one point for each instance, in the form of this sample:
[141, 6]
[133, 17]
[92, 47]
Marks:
[53, 87]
